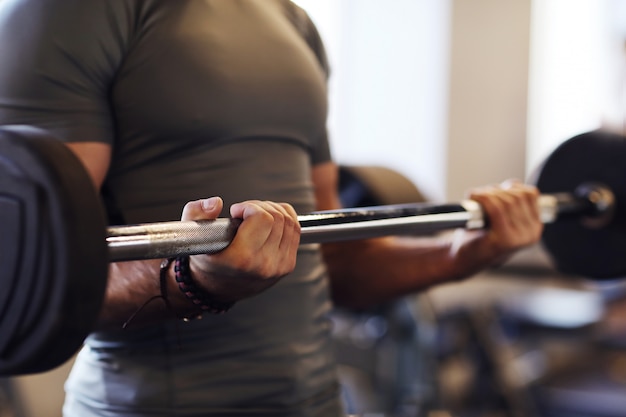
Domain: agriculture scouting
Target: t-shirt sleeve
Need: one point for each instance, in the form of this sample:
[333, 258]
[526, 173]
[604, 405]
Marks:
[58, 60]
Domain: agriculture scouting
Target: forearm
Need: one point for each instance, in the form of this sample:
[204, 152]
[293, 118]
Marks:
[129, 288]
[371, 272]
[263, 251]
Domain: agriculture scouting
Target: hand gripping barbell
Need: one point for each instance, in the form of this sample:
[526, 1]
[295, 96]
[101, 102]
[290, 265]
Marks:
[55, 245]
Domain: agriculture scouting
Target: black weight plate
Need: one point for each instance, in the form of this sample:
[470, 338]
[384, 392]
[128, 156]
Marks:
[595, 156]
[53, 252]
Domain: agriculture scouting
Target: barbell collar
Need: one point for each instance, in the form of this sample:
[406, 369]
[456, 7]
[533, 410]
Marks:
[593, 203]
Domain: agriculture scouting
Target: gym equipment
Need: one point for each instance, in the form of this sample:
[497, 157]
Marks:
[385, 354]
[588, 246]
[54, 265]
[56, 246]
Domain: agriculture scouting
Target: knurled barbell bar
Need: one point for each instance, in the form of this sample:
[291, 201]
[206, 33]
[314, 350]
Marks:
[166, 239]
[55, 244]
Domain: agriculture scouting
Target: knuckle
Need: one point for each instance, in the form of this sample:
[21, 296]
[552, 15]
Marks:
[291, 223]
[263, 270]
[265, 216]
[288, 208]
[244, 262]
[268, 269]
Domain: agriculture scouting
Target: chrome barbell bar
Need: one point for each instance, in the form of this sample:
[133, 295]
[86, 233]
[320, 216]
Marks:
[177, 238]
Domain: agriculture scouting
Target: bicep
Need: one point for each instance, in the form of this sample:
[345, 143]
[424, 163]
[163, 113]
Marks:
[55, 80]
[58, 74]
[95, 157]
[325, 178]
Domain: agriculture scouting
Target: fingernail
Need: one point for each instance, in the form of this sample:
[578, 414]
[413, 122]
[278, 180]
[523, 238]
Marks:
[209, 203]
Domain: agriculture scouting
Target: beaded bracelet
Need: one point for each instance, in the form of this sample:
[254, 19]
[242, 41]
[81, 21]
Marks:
[197, 295]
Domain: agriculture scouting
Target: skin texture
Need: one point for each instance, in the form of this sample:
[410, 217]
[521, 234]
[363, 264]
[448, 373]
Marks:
[362, 273]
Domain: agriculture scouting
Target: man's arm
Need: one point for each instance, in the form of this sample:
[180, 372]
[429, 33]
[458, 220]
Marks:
[368, 272]
[129, 283]
[263, 250]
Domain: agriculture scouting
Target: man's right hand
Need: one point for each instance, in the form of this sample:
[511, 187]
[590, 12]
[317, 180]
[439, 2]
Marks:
[263, 250]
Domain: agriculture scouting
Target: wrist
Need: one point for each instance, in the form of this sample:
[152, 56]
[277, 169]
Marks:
[470, 252]
[202, 300]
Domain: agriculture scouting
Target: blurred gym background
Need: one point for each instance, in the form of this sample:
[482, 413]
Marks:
[428, 99]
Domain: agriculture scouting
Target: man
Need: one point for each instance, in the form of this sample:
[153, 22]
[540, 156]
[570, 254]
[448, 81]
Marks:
[168, 103]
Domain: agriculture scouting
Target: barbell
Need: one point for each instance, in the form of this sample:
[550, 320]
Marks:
[55, 244]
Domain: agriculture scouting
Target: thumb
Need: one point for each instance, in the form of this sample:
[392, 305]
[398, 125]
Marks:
[204, 209]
